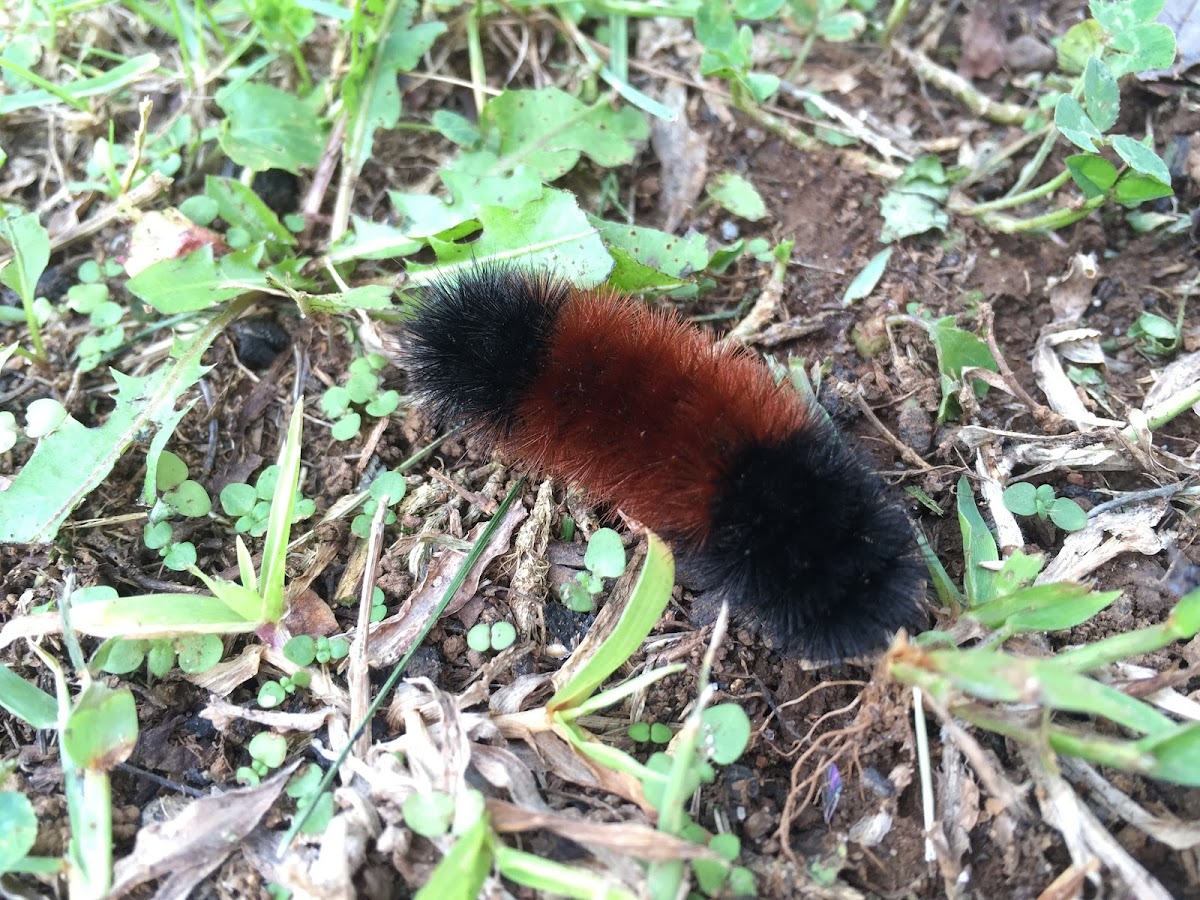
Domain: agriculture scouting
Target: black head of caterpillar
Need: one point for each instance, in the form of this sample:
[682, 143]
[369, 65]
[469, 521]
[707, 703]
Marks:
[477, 340]
[806, 543]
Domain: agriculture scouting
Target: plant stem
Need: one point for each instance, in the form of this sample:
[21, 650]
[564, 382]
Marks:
[1008, 202]
[1051, 221]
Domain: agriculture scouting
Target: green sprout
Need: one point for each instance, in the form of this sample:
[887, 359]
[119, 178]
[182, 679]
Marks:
[267, 751]
[251, 506]
[1026, 500]
[605, 558]
[362, 390]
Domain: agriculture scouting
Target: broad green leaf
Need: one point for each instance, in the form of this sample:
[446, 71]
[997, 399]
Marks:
[1133, 188]
[1141, 158]
[43, 417]
[1101, 94]
[482, 178]
[374, 240]
[664, 254]
[1081, 42]
[605, 556]
[189, 499]
[1067, 514]
[642, 610]
[240, 207]
[736, 194]
[552, 234]
[30, 246]
[726, 733]
[548, 129]
[842, 26]
[1020, 498]
[978, 547]
[269, 128]
[172, 471]
[1076, 127]
[866, 280]
[367, 296]
[68, 464]
[102, 728]
[1142, 48]
[1094, 174]
[27, 701]
[198, 281]
[18, 828]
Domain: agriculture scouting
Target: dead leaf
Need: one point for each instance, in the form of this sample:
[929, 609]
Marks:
[185, 849]
[391, 638]
[983, 41]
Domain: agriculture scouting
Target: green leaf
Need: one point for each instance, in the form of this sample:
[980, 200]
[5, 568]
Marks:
[30, 246]
[160, 657]
[198, 281]
[1094, 174]
[180, 557]
[1081, 42]
[189, 499]
[726, 733]
[109, 82]
[43, 416]
[503, 635]
[842, 26]
[302, 650]
[642, 610]
[866, 280]
[1076, 127]
[240, 207]
[390, 484]
[978, 547]
[18, 829]
[429, 815]
[268, 748]
[1133, 189]
[68, 464]
[1143, 48]
[1141, 158]
[1043, 607]
[456, 128]
[172, 471]
[119, 656]
[1019, 498]
[461, 873]
[957, 350]
[547, 130]
[479, 637]
[552, 234]
[548, 878]
[279, 523]
[1176, 754]
[101, 729]
[1067, 514]
[238, 499]
[738, 196]
[376, 101]
[605, 556]
[198, 652]
[1101, 95]
[27, 702]
[158, 535]
[163, 615]
[269, 128]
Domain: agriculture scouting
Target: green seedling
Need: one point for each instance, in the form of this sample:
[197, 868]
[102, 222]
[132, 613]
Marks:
[388, 484]
[429, 815]
[992, 688]
[304, 649]
[957, 351]
[605, 558]
[484, 637]
[914, 204]
[1155, 336]
[272, 693]
[251, 506]
[178, 496]
[195, 653]
[362, 391]
[737, 195]
[653, 732]
[1026, 500]
[29, 243]
[97, 731]
[378, 605]
[267, 752]
[256, 603]
[92, 299]
[301, 789]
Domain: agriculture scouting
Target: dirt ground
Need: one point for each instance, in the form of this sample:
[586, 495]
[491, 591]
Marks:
[803, 719]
